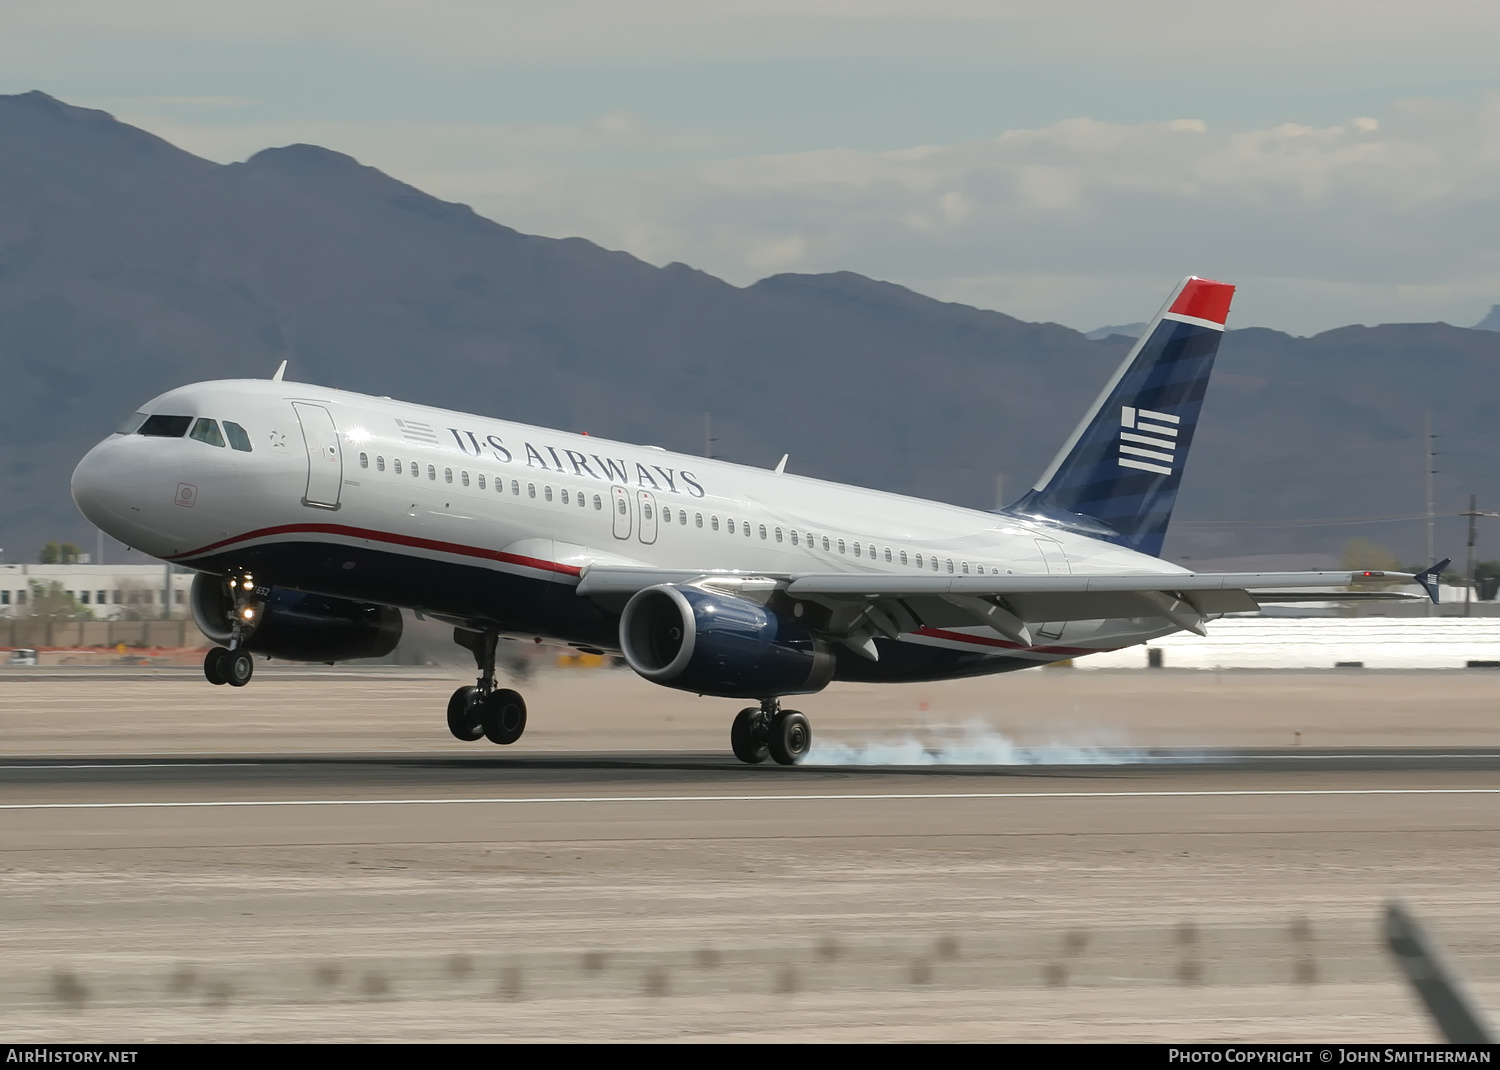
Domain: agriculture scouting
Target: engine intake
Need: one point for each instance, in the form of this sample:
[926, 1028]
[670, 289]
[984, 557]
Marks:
[298, 626]
[716, 644]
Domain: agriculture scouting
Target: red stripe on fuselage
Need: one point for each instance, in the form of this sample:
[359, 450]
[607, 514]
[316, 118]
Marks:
[387, 537]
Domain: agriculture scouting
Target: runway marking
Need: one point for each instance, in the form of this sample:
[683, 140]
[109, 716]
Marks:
[141, 765]
[870, 797]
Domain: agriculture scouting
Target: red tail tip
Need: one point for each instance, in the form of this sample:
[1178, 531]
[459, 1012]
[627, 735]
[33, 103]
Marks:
[1204, 299]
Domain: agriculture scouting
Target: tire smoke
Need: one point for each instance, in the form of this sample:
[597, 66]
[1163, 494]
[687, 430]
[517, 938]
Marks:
[974, 743]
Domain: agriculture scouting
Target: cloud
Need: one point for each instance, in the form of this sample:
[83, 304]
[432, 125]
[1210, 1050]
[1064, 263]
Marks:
[1367, 221]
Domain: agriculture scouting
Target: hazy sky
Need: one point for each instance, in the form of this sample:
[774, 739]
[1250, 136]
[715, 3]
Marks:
[1060, 159]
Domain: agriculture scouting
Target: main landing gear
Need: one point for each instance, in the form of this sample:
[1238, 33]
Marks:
[768, 731]
[235, 666]
[497, 714]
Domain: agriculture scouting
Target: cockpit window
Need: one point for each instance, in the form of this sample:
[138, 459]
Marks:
[237, 436]
[206, 430]
[165, 426]
[132, 424]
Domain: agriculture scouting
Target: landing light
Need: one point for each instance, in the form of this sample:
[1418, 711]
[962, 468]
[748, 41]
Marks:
[248, 613]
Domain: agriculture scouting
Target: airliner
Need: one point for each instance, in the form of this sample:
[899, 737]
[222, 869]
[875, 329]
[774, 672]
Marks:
[314, 517]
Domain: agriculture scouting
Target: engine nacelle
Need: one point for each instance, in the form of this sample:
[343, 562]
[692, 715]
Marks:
[297, 626]
[716, 644]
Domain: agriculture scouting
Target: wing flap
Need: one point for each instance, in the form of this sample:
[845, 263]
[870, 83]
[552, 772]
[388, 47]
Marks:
[875, 585]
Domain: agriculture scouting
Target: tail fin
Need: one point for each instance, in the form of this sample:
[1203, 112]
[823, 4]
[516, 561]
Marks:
[1428, 578]
[1116, 478]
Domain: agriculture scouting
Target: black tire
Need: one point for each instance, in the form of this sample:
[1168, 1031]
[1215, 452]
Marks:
[213, 666]
[504, 716]
[463, 715]
[239, 666]
[789, 737]
[747, 736]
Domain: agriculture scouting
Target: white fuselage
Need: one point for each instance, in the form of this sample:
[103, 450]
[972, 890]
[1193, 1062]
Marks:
[431, 488]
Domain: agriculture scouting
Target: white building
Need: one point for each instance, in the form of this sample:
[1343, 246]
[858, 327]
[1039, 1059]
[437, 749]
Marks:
[109, 592]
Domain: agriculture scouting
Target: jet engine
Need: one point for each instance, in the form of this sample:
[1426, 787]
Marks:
[717, 644]
[297, 626]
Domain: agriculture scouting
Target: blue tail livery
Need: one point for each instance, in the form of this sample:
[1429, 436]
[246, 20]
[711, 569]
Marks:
[1116, 477]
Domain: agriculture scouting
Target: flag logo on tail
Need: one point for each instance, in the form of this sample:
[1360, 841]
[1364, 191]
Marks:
[1148, 440]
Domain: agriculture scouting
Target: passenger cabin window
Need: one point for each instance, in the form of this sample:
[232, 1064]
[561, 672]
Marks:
[856, 549]
[778, 534]
[582, 499]
[713, 522]
[547, 492]
[621, 507]
[165, 426]
[841, 546]
[762, 531]
[794, 536]
[416, 470]
[206, 430]
[515, 486]
[379, 463]
[238, 438]
[965, 566]
[919, 560]
[646, 510]
[132, 424]
[903, 557]
[729, 525]
[432, 473]
[598, 502]
[934, 564]
[447, 475]
[364, 460]
[825, 542]
[698, 519]
[531, 490]
[480, 478]
[463, 478]
[888, 555]
[564, 494]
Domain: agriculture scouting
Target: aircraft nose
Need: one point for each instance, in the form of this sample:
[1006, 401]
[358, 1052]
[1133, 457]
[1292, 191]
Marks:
[96, 487]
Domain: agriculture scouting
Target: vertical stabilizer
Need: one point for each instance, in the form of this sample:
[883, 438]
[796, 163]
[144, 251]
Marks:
[1116, 477]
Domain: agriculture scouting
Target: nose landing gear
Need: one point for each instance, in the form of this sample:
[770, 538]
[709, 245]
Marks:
[498, 714]
[234, 666]
[768, 731]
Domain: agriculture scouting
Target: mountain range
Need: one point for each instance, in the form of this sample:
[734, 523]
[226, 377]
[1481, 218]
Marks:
[128, 266]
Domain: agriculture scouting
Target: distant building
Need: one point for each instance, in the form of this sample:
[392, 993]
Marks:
[108, 592]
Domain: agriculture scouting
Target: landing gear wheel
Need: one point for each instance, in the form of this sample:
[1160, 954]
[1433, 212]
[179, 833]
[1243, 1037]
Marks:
[213, 666]
[747, 736]
[504, 716]
[463, 715]
[238, 667]
[789, 737]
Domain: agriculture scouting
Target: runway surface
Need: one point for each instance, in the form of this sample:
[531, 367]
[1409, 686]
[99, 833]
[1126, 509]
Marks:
[196, 864]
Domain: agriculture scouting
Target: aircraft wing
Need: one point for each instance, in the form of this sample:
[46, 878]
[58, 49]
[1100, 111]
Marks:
[864, 605]
[1261, 586]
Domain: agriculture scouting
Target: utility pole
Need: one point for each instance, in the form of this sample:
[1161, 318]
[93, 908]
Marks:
[1473, 514]
[1429, 473]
